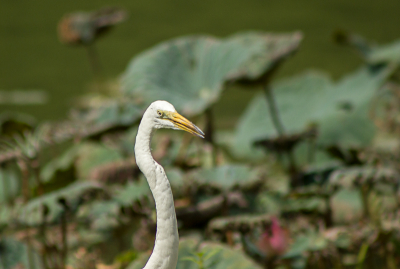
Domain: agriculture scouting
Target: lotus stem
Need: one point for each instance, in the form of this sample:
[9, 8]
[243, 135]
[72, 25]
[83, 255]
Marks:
[5, 186]
[64, 250]
[34, 164]
[365, 191]
[94, 60]
[273, 110]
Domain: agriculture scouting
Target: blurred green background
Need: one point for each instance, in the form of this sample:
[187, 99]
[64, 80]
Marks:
[32, 57]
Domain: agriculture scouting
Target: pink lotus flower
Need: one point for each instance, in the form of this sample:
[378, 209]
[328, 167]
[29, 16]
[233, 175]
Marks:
[275, 241]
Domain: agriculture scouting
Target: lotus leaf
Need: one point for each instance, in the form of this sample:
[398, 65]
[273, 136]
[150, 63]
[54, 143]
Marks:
[215, 255]
[9, 184]
[61, 163]
[338, 109]
[303, 243]
[13, 252]
[103, 214]
[132, 192]
[92, 155]
[351, 177]
[389, 53]
[73, 195]
[190, 72]
[226, 177]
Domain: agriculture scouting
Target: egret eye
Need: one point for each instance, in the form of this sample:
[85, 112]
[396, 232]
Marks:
[159, 113]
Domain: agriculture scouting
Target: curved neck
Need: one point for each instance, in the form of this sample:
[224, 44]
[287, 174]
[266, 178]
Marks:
[165, 251]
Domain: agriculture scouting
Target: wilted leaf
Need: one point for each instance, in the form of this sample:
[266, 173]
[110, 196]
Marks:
[190, 72]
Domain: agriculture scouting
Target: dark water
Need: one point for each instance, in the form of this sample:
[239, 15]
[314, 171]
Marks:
[31, 56]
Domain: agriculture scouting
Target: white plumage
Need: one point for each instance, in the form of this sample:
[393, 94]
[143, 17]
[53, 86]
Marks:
[161, 114]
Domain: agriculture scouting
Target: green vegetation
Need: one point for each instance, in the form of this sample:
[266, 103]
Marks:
[308, 178]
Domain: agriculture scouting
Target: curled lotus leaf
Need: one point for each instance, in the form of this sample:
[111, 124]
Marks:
[50, 207]
[190, 72]
[338, 110]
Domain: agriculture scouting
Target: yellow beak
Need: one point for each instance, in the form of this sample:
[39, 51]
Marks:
[184, 124]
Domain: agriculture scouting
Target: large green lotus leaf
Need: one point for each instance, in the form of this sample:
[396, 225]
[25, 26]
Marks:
[103, 215]
[305, 243]
[92, 155]
[132, 192]
[225, 257]
[73, 195]
[313, 99]
[13, 253]
[190, 72]
[226, 177]
[61, 163]
[110, 112]
[216, 256]
[389, 53]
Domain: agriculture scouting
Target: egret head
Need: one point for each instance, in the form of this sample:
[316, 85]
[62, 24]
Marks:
[165, 116]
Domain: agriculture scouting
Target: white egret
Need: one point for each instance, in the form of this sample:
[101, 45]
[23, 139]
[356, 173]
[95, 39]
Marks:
[161, 114]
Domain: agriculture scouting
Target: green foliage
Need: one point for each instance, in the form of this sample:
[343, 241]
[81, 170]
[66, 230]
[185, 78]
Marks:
[132, 192]
[206, 255]
[226, 177]
[13, 252]
[50, 207]
[296, 208]
[339, 110]
[190, 72]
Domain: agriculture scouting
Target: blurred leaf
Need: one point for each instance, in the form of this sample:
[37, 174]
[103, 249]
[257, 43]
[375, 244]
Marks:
[13, 252]
[223, 258]
[32, 214]
[10, 184]
[389, 53]
[102, 214]
[339, 110]
[84, 27]
[176, 179]
[190, 72]
[92, 155]
[226, 177]
[132, 192]
[60, 163]
[303, 243]
[356, 176]
[346, 206]
[186, 248]
[226, 257]
[15, 123]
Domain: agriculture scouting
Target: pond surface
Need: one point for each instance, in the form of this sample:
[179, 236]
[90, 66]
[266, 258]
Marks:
[31, 56]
